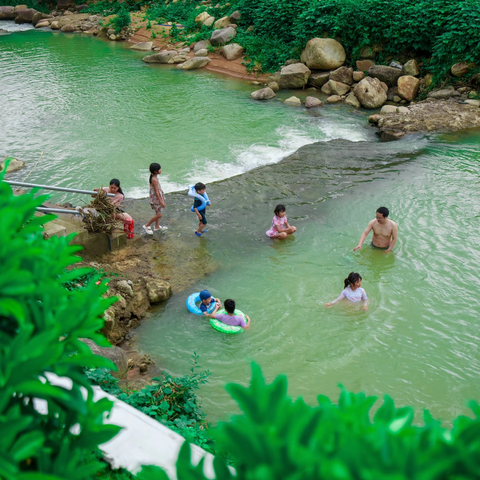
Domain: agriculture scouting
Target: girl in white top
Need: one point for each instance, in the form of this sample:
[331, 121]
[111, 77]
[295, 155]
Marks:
[353, 291]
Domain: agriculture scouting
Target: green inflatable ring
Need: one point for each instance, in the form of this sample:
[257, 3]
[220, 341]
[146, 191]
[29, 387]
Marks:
[222, 327]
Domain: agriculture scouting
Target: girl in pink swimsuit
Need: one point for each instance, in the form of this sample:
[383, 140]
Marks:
[353, 291]
[280, 227]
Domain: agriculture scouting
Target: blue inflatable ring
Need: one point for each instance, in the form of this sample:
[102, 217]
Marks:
[192, 301]
[203, 198]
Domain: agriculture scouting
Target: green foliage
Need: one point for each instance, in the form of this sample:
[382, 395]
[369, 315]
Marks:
[280, 438]
[170, 400]
[40, 324]
[122, 20]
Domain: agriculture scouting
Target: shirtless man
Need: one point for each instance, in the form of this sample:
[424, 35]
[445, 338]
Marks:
[385, 232]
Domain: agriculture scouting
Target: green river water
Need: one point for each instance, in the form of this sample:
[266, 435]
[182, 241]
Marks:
[97, 111]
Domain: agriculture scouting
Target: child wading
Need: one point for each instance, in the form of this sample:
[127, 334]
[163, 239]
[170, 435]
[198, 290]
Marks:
[157, 198]
[353, 291]
[200, 188]
[280, 227]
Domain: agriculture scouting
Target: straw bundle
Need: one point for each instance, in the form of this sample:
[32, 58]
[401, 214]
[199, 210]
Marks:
[99, 216]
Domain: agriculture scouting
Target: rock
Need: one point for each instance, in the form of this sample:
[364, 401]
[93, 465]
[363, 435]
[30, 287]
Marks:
[323, 54]
[326, 89]
[293, 76]
[274, 86]
[343, 75]
[395, 65]
[408, 87]
[202, 53]
[364, 65]
[4, 32]
[338, 88]
[209, 21]
[232, 51]
[25, 15]
[110, 37]
[389, 75]
[20, 7]
[318, 79]
[201, 45]
[68, 12]
[473, 94]
[384, 86]
[357, 76]
[157, 290]
[475, 79]
[333, 99]
[55, 25]
[411, 68]
[81, 7]
[178, 59]
[402, 110]
[200, 18]
[475, 103]
[40, 16]
[443, 94]
[391, 136]
[293, 101]
[43, 23]
[352, 100]
[222, 22]
[235, 17]
[70, 29]
[7, 13]
[194, 63]
[124, 288]
[263, 94]
[222, 36]
[162, 57]
[109, 317]
[13, 166]
[388, 109]
[115, 354]
[370, 93]
[313, 102]
[458, 70]
[142, 46]
[428, 79]
[396, 99]
[374, 118]
[291, 61]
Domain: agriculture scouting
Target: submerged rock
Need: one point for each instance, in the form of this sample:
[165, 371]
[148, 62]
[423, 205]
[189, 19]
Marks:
[313, 102]
[263, 94]
[13, 166]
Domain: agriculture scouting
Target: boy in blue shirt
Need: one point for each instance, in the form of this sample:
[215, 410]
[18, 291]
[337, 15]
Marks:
[200, 188]
[207, 299]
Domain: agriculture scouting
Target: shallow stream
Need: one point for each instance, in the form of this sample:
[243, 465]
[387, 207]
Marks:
[97, 111]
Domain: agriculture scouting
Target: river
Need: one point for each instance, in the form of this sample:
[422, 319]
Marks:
[97, 111]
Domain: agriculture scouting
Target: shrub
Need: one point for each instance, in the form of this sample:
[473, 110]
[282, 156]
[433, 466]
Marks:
[40, 324]
[122, 20]
[280, 438]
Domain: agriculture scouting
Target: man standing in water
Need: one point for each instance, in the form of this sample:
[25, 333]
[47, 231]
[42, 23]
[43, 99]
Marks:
[385, 232]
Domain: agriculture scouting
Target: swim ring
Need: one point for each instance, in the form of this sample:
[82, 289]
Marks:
[224, 328]
[192, 301]
[203, 198]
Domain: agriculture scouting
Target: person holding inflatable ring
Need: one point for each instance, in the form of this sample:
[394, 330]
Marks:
[206, 300]
[230, 318]
[200, 205]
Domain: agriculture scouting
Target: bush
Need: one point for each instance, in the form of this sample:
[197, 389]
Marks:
[122, 20]
[277, 438]
[40, 324]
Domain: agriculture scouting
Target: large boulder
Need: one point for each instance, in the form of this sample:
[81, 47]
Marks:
[115, 354]
[67, 29]
[195, 62]
[293, 76]
[43, 23]
[232, 51]
[411, 68]
[25, 15]
[200, 18]
[7, 13]
[323, 54]
[40, 16]
[313, 102]
[178, 59]
[201, 45]
[343, 75]
[222, 36]
[338, 88]
[408, 87]
[160, 57]
[157, 290]
[222, 22]
[263, 94]
[444, 94]
[201, 53]
[55, 25]
[370, 93]
[142, 46]
[461, 69]
[388, 75]
[318, 79]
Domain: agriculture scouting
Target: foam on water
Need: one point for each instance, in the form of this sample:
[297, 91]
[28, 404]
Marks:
[13, 27]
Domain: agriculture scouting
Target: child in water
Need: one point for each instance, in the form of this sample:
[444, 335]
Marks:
[157, 198]
[206, 300]
[200, 188]
[353, 291]
[280, 227]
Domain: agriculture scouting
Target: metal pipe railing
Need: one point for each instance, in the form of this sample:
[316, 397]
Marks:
[60, 189]
[58, 210]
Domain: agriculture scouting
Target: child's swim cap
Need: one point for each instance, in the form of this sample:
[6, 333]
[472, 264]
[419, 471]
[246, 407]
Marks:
[204, 294]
